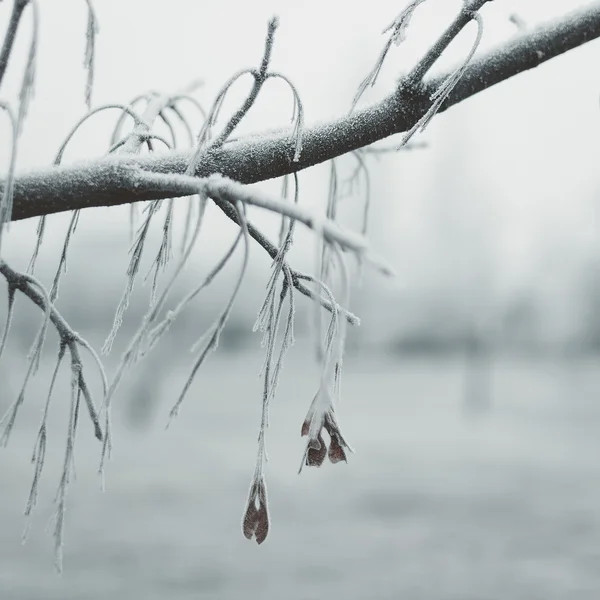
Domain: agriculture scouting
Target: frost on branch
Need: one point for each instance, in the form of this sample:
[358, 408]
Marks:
[154, 121]
[398, 28]
[340, 253]
[73, 342]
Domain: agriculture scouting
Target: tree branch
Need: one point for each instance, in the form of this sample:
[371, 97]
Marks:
[108, 181]
[464, 16]
[272, 250]
[11, 34]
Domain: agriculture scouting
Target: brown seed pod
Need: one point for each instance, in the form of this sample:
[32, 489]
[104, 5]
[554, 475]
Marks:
[250, 523]
[317, 450]
[336, 451]
[262, 524]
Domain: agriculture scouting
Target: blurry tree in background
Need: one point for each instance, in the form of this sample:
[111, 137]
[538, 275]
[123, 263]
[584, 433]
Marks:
[180, 167]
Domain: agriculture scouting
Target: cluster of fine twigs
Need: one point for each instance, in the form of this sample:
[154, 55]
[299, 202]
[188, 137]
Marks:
[341, 253]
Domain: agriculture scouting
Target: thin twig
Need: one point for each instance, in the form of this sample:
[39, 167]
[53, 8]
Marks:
[11, 34]
[467, 12]
[273, 251]
[231, 191]
[260, 77]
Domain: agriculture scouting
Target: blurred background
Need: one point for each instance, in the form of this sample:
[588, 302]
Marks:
[470, 388]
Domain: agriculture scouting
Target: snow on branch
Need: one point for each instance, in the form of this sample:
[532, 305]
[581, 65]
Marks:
[68, 340]
[217, 186]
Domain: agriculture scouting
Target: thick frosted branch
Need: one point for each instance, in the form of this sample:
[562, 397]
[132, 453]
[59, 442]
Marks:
[108, 182]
